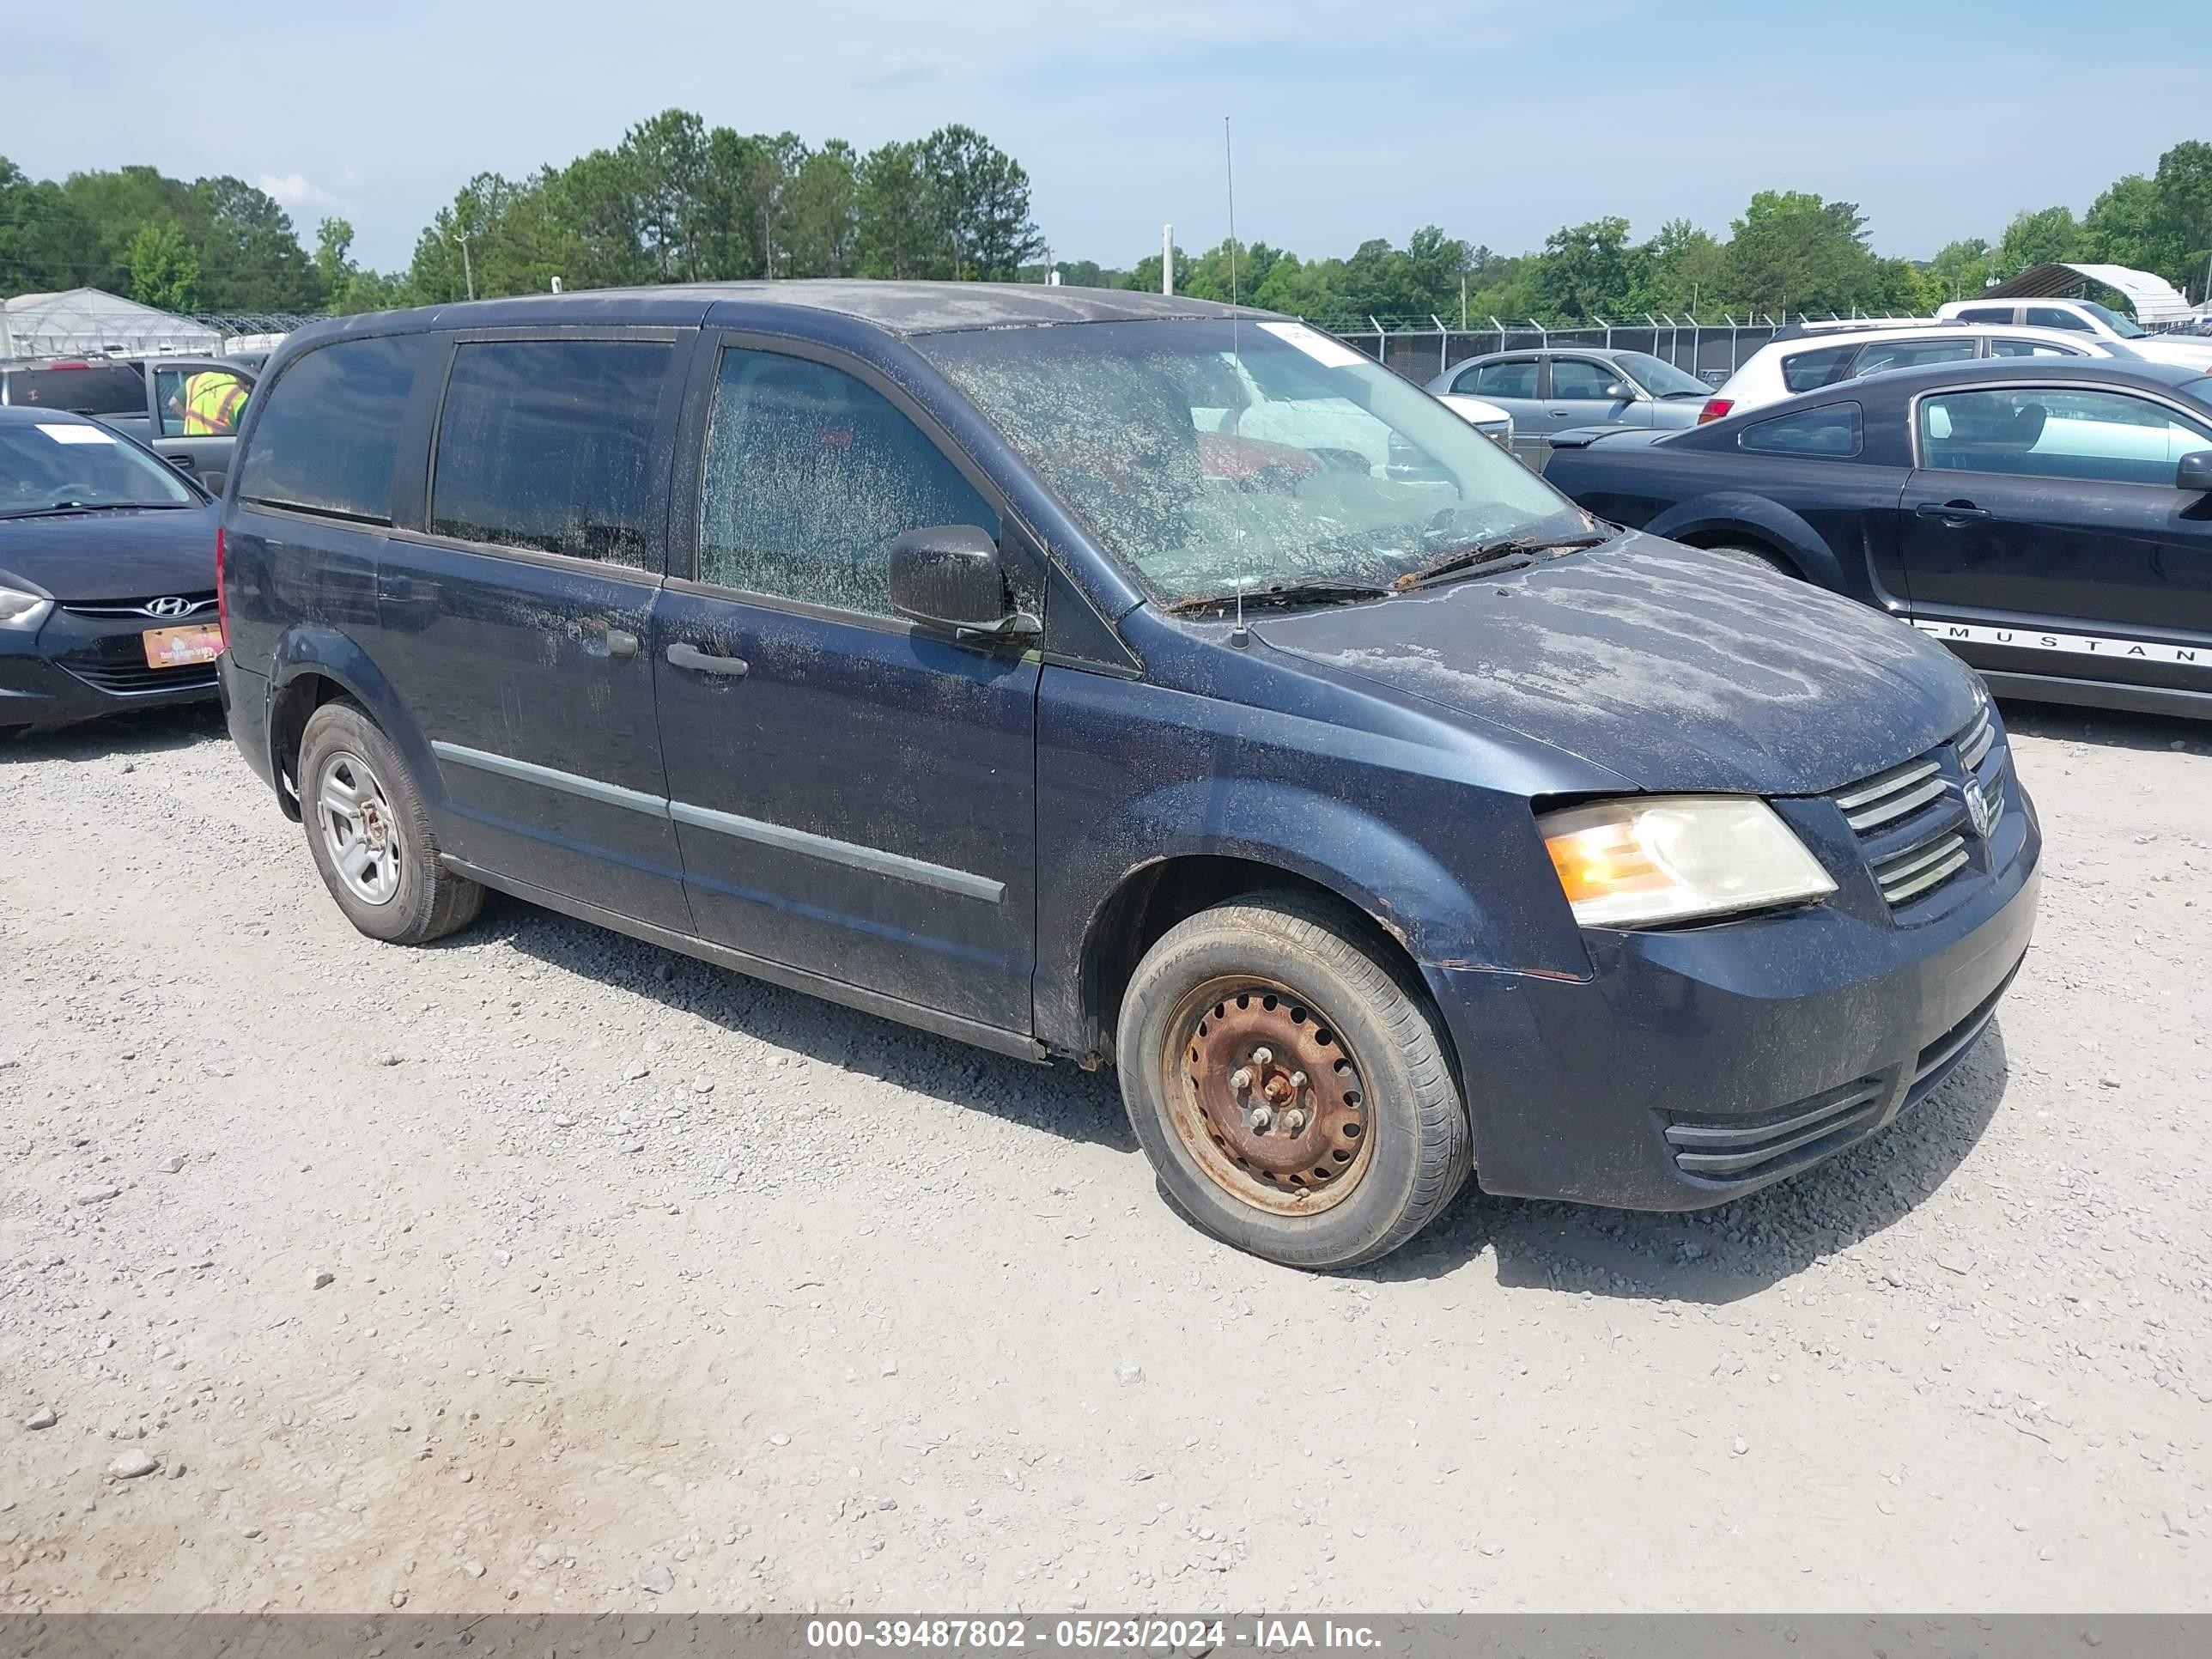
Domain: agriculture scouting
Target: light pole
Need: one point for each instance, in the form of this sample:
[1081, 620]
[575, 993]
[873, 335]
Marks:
[468, 269]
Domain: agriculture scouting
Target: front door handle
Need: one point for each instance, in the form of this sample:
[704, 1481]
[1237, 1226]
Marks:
[1952, 513]
[681, 655]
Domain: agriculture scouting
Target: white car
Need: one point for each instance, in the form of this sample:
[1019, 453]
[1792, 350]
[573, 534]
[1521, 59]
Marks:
[1493, 422]
[1247, 411]
[1820, 357]
[2085, 320]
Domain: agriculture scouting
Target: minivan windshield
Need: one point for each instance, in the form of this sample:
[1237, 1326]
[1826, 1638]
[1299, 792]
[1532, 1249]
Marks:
[1211, 457]
[65, 465]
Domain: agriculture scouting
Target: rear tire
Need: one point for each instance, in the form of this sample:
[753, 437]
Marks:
[369, 833]
[1292, 1091]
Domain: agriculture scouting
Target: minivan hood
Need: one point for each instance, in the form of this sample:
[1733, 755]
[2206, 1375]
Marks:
[1675, 669]
[89, 558]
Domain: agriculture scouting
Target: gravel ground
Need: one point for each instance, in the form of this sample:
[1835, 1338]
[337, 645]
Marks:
[548, 1270]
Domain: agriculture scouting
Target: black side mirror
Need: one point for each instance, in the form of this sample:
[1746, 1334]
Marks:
[952, 576]
[2194, 472]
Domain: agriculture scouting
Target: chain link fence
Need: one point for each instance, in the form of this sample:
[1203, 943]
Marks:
[1711, 350]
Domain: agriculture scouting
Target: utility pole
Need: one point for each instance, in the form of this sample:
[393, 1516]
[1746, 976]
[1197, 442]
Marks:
[1462, 302]
[1167, 258]
[468, 269]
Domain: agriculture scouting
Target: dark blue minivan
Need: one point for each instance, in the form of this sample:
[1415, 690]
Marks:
[1129, 680]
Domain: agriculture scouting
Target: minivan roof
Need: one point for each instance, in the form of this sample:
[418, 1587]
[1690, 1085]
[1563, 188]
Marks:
[902, 308]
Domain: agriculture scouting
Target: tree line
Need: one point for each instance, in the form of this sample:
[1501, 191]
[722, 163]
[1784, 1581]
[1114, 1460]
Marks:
[677, 200]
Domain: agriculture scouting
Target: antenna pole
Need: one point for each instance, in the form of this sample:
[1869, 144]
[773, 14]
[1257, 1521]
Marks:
[1238, 635]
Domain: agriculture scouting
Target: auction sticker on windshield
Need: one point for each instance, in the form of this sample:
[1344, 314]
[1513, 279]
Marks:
[1330, 354]
[74, 434]
[181, 647]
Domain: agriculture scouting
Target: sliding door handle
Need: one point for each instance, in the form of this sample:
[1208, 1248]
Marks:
[681, 655]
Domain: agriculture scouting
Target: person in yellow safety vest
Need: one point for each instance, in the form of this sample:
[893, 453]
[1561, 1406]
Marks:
[213, 402]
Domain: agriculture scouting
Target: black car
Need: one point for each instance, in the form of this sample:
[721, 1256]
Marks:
[2049, 519]
[932, 648]
[108, 596]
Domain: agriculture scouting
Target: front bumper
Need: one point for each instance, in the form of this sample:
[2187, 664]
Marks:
[79, 668]
[1703, 1063]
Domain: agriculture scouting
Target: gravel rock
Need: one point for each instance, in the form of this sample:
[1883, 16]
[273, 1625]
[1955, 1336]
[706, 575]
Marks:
[132, 1464]
[323, 1281]
[45, 1418]
[97, 1194]
[656, 1579]
[1129, 1372]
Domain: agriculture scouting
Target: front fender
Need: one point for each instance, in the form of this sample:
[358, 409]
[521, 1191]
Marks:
[320, 649]
[1337, 845]
[1712, 517]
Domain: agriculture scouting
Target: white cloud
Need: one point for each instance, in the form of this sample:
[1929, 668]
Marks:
[295, 190]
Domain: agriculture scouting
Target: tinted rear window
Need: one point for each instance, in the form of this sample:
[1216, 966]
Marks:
[1830, 433]
[1808, 371]
[328, 436]
[95, 389]
[548, 444]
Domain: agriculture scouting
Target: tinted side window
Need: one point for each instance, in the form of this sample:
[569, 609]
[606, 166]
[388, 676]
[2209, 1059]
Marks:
[328, 439]
[1986, 314]
[2030, 348]
[1908, 354]
[1808, 371]
[1830, 433]
[2057, 432]
[1577, 377]
[810, 476]
[2056, 317]
[1506, 379]
[548, 444]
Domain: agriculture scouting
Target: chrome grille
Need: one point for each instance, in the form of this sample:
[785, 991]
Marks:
[194, 604]
[1913, 821]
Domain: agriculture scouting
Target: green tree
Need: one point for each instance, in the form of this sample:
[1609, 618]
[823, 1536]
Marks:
[2184, 192]
[897, 236]
[2049, 237]
[1793, 252]
[2129, 225]
[980, 198]
[1589, 270]
[165, 273]
[822, 213]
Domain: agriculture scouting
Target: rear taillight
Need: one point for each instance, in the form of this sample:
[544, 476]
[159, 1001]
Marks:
[1714, 408]
[221, 598]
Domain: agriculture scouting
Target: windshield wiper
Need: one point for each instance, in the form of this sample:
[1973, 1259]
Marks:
[1490, 552]
[1317, 592]
[52, 507]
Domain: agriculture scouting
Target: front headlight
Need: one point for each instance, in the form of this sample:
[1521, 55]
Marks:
[20, 610]
[1669, 858]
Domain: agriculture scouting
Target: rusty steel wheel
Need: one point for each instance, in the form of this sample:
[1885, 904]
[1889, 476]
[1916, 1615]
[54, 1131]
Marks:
[1267, 1095]
[1289, 1082]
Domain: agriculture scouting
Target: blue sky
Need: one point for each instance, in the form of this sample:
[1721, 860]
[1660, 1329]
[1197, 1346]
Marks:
[1500, 122]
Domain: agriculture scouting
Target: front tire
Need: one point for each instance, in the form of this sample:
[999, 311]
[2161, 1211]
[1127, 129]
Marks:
[369, 833]
[1752, 556]
[1292, 1091]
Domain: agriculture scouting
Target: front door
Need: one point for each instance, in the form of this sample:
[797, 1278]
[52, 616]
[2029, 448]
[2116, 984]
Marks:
[1578, 397]
[2044, 534]
[854, 797]
[513, 629]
